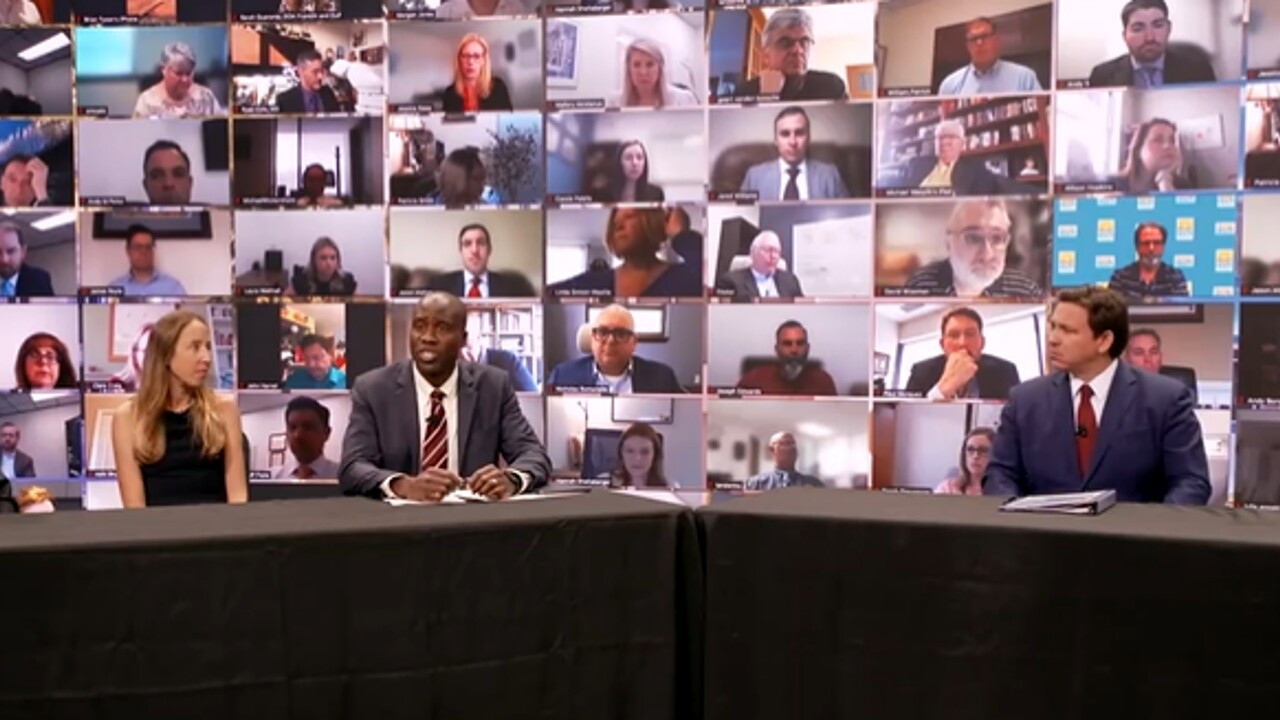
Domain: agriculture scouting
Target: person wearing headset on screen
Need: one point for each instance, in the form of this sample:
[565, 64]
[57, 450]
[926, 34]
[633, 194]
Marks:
[177, 95]
[19, 12]
[806, 179]
[310, 95]
[644, 79]
[1095, 423]
[176, 442]
[1150, 62]
[427, 426]
[1154, 162]
[44, 363]
[474, 87]
[324, 274]
[25, 182]
[629, 177]
[784, 52]
[317, 371]
[987, 72]
[17, 278]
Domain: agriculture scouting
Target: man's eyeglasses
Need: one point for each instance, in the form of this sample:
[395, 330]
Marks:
[975, 239]
[786, 42]
[604, 334]
[979, 38]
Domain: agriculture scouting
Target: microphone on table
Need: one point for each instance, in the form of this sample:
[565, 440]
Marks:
[1082, 431]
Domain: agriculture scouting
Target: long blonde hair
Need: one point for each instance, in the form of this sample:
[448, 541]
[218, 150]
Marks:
[484, 84]
[630, 95]
[152, 399]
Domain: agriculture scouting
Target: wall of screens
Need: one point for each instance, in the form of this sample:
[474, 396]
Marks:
[785, 205]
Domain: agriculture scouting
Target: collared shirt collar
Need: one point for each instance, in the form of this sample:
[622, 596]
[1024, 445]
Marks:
[424, 388]
[1101, 384]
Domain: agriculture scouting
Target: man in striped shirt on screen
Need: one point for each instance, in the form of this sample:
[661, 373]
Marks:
[1149, 275]
[978, 238]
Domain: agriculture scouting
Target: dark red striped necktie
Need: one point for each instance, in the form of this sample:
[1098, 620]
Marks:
[435, 440]
[1086, 430]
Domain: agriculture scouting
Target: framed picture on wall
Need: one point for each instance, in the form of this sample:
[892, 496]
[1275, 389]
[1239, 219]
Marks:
[562, 53]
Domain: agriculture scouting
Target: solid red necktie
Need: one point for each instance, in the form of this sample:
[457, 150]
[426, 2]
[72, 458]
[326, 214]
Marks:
[1086, 430]
[435, 440]
[474, 292]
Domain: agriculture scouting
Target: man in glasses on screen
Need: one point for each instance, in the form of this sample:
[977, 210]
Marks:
[987, 72]
[1150, 62]
[785, 45]
[613, 367]
[977, 241]
[1149, 276]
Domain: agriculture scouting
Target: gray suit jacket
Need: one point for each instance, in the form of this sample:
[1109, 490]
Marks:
[382, 435]
[743, 284]
[824, 181]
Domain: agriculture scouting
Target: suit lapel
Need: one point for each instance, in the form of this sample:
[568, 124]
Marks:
[1114, 415]
[1061, 411]
[466, 409]
[405, 404]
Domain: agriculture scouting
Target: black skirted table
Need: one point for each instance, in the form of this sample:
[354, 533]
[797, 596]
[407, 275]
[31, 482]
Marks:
[569, 607]
[826, 604]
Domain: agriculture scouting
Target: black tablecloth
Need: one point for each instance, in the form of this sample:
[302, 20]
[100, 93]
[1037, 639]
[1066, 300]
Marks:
[573, 607]
[827, 604]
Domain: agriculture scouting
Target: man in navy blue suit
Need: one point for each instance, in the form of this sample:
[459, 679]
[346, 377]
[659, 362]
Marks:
[1097, 423]
[613, 364]
[17, 278]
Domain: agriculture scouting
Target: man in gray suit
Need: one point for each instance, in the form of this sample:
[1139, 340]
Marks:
[428, 426]
[764, 279]
[793, 176]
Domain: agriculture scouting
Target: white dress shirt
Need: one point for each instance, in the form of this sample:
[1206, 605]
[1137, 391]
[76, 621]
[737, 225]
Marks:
[7, 462]
[468, 279]
[1101, 388]
[802, 178]
[765, 285]
[422, 391]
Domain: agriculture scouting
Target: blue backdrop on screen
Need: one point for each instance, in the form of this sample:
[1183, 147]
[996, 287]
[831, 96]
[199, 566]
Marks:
[1094, 237]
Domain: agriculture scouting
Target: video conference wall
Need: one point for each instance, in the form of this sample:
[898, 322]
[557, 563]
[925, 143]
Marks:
[750, 231]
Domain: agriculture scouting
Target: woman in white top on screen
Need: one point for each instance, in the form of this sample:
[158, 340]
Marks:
[177, 95]
[975, 454]
[19, 12]
[644, 80]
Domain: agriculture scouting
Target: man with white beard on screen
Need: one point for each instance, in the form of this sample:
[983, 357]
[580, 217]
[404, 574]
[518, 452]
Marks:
[977, 241]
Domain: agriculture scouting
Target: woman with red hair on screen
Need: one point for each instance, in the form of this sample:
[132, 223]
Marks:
[474, 87]
[639, 459]
[175, 441]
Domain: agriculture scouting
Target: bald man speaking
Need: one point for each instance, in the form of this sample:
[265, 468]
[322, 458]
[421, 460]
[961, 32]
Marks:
[430, 425]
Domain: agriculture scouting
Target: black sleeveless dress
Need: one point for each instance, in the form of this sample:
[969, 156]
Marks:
[182, 476]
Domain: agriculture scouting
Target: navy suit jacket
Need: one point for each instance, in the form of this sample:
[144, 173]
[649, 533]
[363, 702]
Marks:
[647, 376]
[1149, 446]
[995, 376]
[33, 282]
[501, 284]
[383, 433]
[1179, 67]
